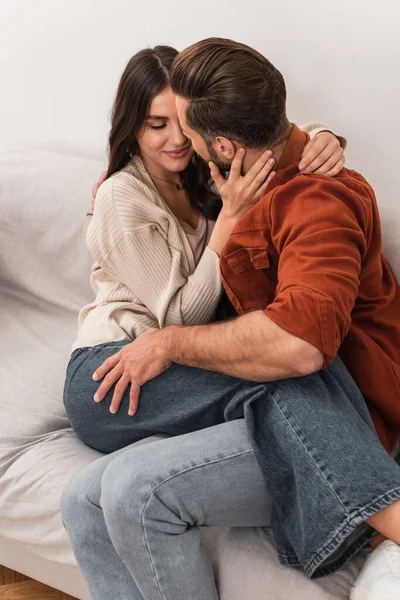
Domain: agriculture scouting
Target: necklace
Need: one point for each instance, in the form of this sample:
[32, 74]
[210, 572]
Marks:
[177, 186]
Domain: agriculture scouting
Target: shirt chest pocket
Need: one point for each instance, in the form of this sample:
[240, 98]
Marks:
[246, 258]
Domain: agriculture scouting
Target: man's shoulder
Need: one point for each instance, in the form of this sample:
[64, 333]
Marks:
[319, 201]
[307, 190]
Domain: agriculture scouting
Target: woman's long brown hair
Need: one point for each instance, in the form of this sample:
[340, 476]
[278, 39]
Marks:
[145, 76]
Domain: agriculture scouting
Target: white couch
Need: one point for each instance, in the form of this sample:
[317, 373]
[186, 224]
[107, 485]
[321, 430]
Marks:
[44, 280]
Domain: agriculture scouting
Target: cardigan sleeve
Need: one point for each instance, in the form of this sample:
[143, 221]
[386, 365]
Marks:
[314, 128]
[144, 261]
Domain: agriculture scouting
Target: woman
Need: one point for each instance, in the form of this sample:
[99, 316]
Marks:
[156, 234]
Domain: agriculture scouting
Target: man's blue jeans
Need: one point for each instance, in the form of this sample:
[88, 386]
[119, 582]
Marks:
[312, 437]
[133, 516]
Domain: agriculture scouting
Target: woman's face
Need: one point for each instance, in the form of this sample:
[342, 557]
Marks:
[161, 141]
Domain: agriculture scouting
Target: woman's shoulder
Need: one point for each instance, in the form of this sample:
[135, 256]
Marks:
[128, 183]
[130, 200]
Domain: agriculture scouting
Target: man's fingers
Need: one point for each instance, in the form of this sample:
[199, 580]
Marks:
[219, 180]
[107, 383]
[133, 399]
[107, 365]
[119, 392]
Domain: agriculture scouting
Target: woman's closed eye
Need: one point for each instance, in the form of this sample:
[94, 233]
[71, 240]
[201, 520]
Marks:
[157, 126]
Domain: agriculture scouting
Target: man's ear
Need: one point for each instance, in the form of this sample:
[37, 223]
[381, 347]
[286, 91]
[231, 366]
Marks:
[225, 147]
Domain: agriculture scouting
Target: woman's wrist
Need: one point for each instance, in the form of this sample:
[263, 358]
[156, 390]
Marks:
[222, 230]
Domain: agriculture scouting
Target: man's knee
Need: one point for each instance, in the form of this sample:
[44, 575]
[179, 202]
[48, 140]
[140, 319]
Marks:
[74, 497]
[83, 490]
[128, 482]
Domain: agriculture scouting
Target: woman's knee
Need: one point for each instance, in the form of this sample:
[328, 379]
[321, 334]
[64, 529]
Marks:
[90, 421]
[78, 400]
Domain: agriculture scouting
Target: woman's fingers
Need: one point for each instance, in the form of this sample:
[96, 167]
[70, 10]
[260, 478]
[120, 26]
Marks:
[327, 165]
[261, 177]
[94, 191]
[96, 186]
[237, 164]
[259, 165]
[319, 150]
[312, 150]
[327, 154]
[219, 180]
[263, 188]
[336, 169]
[234, 172]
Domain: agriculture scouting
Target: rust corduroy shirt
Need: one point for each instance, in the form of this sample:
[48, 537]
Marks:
[309, 255]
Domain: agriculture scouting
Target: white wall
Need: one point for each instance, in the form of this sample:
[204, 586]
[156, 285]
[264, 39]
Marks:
[60, 61]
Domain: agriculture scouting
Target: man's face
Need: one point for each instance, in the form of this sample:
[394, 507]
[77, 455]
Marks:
[202, 148]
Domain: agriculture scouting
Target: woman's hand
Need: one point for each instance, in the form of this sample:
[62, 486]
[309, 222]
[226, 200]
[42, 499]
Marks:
[240, 192]
[96, 187]
[323, 155]
[135, 364]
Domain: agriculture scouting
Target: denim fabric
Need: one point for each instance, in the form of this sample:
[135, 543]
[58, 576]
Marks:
[133, 516]
[312, 436]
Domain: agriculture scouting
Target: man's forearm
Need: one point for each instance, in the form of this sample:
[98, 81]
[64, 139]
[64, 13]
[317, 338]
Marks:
[250, 347]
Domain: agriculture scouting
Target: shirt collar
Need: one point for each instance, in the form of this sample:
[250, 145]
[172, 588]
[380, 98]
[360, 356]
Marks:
[288, 163]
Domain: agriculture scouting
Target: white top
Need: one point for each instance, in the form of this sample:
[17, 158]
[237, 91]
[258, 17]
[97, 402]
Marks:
[151, 269]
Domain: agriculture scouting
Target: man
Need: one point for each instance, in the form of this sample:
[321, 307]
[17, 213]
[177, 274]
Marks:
[304, 272]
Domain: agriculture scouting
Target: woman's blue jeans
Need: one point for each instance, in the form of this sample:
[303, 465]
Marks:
[312, 438]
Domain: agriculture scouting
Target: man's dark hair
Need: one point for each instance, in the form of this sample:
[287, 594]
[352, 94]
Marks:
[233, 91]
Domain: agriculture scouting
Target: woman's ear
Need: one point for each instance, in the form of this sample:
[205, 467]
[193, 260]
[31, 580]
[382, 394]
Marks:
[225, 148]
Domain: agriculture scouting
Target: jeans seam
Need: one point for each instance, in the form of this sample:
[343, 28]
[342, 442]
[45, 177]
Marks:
[152, 491]
[308, 453]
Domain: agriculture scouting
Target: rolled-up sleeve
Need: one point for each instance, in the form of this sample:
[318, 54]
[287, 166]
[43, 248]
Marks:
[317, 229]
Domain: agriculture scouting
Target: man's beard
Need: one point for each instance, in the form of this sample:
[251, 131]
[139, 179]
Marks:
[224, 167]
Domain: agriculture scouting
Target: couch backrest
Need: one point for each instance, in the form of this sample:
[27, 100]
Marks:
[44, 200]
[390, 222]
